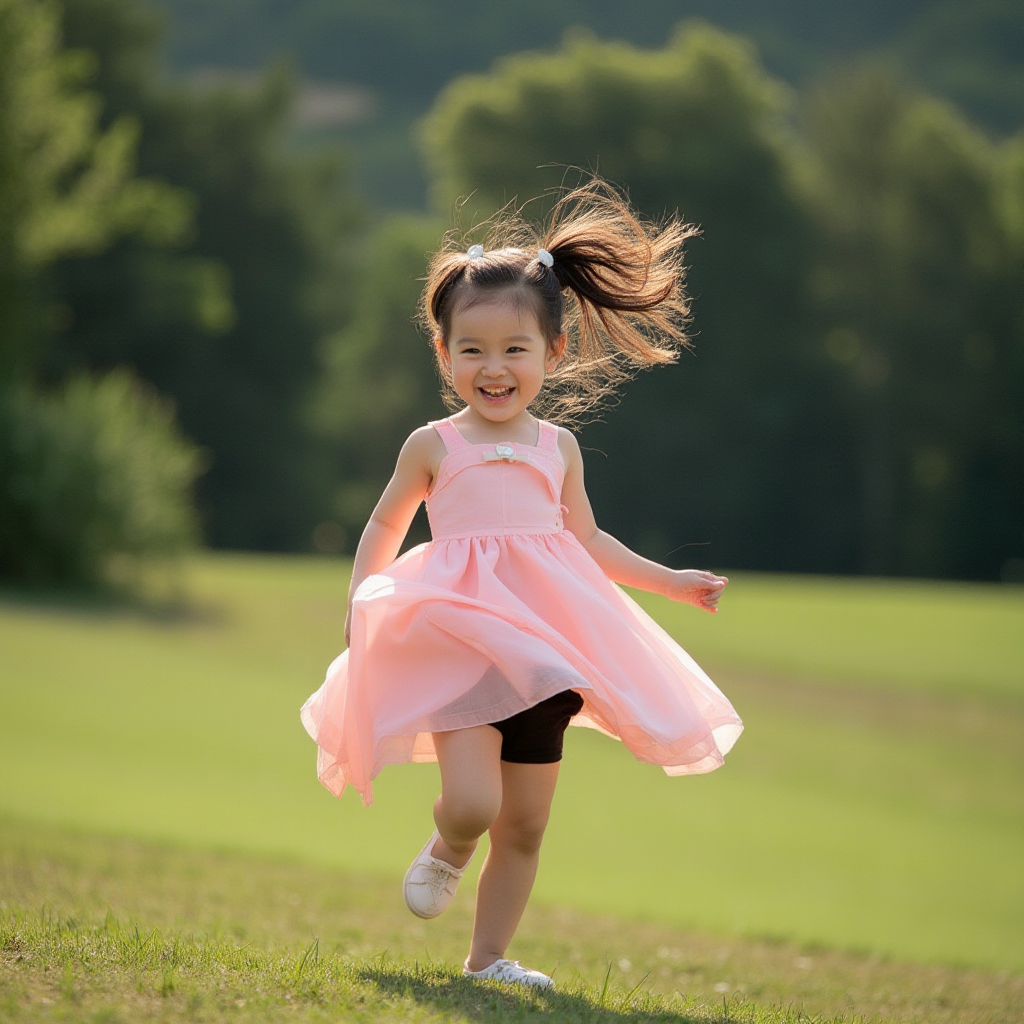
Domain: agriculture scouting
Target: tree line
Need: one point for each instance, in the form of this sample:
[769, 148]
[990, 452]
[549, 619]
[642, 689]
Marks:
[175, 283]
[404, 51]
[855, 399]
[160, 233]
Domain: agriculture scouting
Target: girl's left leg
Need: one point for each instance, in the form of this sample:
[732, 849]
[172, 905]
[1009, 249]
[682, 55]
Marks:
[507, 876]
[471, 783]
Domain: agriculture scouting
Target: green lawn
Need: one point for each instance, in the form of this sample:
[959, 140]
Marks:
[962, 638]
[100, 930]
[874, 802]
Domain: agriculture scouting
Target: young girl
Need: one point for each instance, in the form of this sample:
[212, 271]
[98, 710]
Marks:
[478, 649]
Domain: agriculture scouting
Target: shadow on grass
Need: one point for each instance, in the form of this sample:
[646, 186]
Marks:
[449, 993]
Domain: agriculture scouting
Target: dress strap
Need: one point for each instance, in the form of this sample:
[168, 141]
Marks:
[453, 440]
[547, 439]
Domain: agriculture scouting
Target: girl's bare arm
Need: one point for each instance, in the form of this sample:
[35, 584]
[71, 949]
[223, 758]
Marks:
[389, 522]
[619, 563]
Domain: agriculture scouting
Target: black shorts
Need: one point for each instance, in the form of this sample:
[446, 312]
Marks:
[534, 736]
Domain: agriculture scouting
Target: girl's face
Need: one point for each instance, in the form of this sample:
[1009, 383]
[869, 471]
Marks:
[498, 357]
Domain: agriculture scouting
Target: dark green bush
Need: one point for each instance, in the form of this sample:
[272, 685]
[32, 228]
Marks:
[92, 477]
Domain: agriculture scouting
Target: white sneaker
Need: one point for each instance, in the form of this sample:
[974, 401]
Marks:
[510, 972]
[430, 884]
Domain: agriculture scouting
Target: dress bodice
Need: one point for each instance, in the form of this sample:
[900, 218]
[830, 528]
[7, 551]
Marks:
[486, 490]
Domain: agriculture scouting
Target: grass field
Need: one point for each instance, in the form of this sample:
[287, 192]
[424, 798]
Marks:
[101, 930]
[874, 803]
[956, 639]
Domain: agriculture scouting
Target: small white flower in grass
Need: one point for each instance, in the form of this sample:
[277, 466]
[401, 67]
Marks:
[805, 963]
[624, 964]
[722, 986]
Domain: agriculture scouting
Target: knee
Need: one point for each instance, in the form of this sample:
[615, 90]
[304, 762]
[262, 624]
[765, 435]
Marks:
[469, 814]
[522, 834]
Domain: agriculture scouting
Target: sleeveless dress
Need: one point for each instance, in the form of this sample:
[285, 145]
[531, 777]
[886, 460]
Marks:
[499, 611]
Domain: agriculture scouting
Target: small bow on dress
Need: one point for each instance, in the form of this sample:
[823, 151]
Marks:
[505, 452]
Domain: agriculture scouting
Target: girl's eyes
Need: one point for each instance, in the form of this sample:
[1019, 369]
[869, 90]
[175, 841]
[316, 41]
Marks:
[473, 351]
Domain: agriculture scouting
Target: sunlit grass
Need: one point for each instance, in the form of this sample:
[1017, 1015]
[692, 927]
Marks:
[95, 929]
[938, 637]
[851, 813]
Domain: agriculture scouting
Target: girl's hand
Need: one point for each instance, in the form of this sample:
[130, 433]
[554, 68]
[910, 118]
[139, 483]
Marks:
[696, 587]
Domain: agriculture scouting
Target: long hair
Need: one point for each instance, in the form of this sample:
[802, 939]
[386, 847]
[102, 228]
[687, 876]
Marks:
[615, 287]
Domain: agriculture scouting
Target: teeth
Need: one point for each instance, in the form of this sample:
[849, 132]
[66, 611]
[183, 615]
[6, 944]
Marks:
[497, 392]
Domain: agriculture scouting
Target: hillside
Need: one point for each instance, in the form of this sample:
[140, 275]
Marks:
[375, 69]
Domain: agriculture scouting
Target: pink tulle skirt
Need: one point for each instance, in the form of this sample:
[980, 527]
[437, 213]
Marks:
[470, 630]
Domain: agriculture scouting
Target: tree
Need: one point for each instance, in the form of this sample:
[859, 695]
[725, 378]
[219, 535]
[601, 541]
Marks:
[66, 185]
[97, 472]
[378, 381]
[919, 289]
[229, 324]
[95, 482]
[970, 54]
[718, 444]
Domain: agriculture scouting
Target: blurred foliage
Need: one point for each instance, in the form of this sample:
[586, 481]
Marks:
[379, 382]
[972, 54]
[855, 399]
[67, 184]
[700, 127]
[94, 479]
[427, 43]
[96, 474]
[229, 324]
[856, 402]
[920, 286]
[161, 229]
[405, 51]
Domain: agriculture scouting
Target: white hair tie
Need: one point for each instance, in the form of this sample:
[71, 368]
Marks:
[474, 252]
[543, 256]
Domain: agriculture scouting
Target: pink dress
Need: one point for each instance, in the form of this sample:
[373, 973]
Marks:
[502, 609]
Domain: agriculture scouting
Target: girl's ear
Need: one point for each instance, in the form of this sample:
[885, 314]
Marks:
[556, 349]
[443, 355]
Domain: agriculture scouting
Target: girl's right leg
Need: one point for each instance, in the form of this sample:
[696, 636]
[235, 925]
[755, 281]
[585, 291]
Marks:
[471, 790]
[506, 879]
[480, 792]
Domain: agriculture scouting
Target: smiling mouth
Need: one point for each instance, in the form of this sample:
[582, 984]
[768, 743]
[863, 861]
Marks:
[496, 392]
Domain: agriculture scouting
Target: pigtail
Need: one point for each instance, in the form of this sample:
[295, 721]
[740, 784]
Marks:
[623, 279]
[626, 276]
[614, 286]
